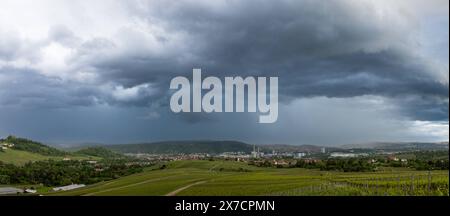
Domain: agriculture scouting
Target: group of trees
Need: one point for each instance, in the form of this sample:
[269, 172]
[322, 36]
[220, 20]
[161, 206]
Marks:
[32, 146]
[426, 155]
[56, 173]
[419, 164]
[340, 164]
[431, 164]
[99, 152]
[344, 165]
[363, 164]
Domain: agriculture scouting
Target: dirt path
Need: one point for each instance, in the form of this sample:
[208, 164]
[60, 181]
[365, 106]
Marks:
[173, 193]
[212, 168]
[125, 186]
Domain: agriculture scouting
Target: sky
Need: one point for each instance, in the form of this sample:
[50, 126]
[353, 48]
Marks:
[350, 71]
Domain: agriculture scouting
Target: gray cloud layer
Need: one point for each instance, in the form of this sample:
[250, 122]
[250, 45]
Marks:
[336, 49]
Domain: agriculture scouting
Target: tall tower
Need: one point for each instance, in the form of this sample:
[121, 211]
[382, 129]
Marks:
[254, 152]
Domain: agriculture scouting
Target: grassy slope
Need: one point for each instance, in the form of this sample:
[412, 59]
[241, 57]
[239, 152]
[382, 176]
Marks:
[259, 181]
[23, 144]
[18, 157]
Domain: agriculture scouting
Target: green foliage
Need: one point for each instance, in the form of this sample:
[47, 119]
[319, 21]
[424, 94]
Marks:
[55, 173]
[423, 160]
[99, 152]
[174, 147]
[18, 157]
[430, 164]
[344, 165]
[425, 155]
[347, 165]
[4, 179]
[32, 146]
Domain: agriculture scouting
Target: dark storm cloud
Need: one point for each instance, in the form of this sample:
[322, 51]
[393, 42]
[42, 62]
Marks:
[317, 48]
[424, 109]
[28, 89]
[331, 49]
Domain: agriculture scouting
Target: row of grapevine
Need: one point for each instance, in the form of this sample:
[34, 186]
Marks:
[412, 185]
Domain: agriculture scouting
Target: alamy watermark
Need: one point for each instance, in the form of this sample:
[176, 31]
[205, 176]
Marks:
[212, 101]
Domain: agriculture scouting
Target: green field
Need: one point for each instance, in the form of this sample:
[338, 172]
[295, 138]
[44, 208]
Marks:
[18, 157]
[21, 157]
[237, 178]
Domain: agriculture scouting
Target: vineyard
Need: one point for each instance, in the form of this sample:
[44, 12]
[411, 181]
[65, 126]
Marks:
[430, 184]
[227, 178]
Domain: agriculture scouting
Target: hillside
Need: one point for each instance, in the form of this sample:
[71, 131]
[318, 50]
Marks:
[19, 151]
[20, 157]
[174, 147]
[295, 148]
[22, 144]
[401, 146]
[98, 152]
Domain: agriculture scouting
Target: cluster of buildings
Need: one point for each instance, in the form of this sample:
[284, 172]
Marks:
[347, 155]
[274, 157]
[169, 157]
[257, 153]
[5, 146]
[393, 158]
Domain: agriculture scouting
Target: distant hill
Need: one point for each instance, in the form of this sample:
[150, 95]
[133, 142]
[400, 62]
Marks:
[20, 151]
[23, 144]
[295, 148]
[175, 147]
[401, 146]
[98, 152]
[72, 147]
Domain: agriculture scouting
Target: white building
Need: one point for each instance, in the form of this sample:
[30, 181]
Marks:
[256, 153]
[30, 191]
[348, 155]
[300, 155]
[5, 146]
[68, 187]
